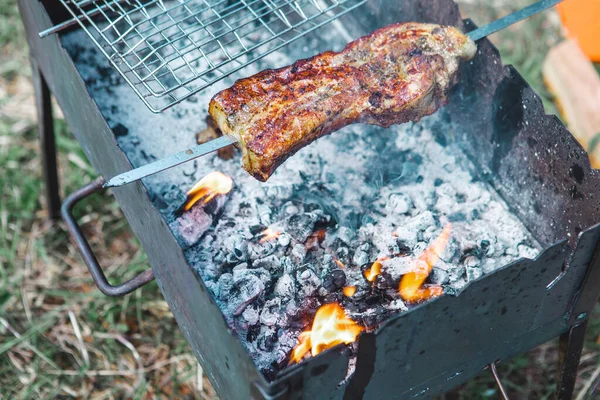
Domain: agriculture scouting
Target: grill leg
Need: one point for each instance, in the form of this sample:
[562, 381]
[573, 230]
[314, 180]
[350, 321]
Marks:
[569, 353]
[47, 140]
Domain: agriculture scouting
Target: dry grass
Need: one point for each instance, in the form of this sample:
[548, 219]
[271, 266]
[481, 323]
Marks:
[60, 337]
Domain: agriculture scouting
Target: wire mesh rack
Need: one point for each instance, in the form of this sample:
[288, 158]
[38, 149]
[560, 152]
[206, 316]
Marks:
[168, 50]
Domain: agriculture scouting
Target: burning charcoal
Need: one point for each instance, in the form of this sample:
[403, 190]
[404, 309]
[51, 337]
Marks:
[251, 315]
[398, 204]
[438, 276]
[473, 273]
[385, 281]
[225, 283]
[307, 281]
[298, 253]
[285, 287]
[271, 313]
[190, 227]
[333, 279]
[243, 292]
[270, 263]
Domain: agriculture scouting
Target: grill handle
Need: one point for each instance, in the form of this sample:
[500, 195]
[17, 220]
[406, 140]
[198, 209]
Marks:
[87, 253]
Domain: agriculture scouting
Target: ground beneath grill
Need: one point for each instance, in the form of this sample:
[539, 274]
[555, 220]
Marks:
[338, 205]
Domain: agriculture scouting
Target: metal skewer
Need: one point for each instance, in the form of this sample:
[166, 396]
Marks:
[216, 144]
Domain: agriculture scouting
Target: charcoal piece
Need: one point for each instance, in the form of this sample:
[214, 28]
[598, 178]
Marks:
[407, 236]
[470, 261]
[402, 247]
[237, 245]
[284, 240]
[264, 214]
[399, 204]
[473, 273]
[270, 263]
[307, 281]
[301, 226]
[256, 229]
[397, 304]
[458, 285]
[224, 284]
[398, 266]
[258, 250]
[342, 254]
[298, 253]
[456, 273]
[385, 281]
[345, 235]
[289, 209]
[360, 258]
[260, 273]
[439, 276]
[243, 292]
[292, 311]
[253, 332]
[120, 130]
[190, 226]
[285, 286]
[271, 312]
[287, 265]
[251, 315]
[333, 279]
[267, 339]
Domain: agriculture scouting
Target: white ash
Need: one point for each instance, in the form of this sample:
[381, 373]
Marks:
[375, 192]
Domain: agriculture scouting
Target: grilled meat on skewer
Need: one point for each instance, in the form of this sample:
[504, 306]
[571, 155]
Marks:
[396, 74]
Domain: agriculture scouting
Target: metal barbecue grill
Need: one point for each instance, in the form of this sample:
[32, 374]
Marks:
[168, 50]
[494, 117]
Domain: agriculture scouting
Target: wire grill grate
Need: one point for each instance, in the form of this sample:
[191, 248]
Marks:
[167, 50]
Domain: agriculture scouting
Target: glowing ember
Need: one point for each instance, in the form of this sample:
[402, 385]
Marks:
[371, 273]
[411, 285]
[207, 188]
[349, 291]
[330, 327]
[268, 235]
[339, 263]
[315, 239]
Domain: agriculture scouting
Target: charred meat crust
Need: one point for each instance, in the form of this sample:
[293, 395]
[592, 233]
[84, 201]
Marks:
[396, 74]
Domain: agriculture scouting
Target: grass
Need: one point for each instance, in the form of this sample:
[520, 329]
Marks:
[60, 337]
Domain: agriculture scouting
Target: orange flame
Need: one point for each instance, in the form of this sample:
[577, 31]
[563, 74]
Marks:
[331, 326]
[207, 188]
[268, 235]
[339, 263]
[411, 285]
[371, 273]
[349, 291]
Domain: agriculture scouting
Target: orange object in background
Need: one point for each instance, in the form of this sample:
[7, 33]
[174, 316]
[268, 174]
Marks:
[581, 19]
